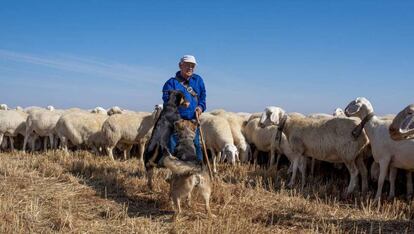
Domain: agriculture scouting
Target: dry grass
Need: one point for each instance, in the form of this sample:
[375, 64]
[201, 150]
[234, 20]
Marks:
[80, 192]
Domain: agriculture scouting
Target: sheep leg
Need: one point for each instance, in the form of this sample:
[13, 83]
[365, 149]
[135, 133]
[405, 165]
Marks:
[52, 143]
[364, 174]
[141, 152]
[1, 138]
[33, 139]
[302, 168]
[45, 144]
[214, 156]
[64, 144]
[383, 173]
[127, 152]
[11, 143]
[353, 171]
[409, 185]
[312, 167]
[271, 158]
[255, 155]
[26, 137]
[294, 171]
[109, 151]
[392, 176]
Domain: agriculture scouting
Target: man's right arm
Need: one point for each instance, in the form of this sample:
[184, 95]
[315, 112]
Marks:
[165, 90]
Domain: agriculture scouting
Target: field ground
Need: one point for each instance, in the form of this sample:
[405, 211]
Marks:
[80, 192]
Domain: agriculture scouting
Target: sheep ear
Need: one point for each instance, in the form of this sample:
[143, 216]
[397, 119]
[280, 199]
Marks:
[263, 117]
[273, 117]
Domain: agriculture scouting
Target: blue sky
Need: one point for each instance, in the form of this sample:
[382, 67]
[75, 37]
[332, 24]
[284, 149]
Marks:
[304, 56]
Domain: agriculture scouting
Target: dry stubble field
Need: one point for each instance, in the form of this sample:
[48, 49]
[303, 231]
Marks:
[52, 192]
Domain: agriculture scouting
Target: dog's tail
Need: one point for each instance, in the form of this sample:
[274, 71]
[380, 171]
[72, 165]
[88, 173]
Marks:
[179, 167]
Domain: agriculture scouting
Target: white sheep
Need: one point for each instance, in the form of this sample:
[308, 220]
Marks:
[50, 108]
[280, 144]
[3, 107]
[260, 137]
[81, 128]
[12, 123]
[327, 139]
[237, 123]
[42, 123]
[128, 129]
[387, 152]
[218, 138]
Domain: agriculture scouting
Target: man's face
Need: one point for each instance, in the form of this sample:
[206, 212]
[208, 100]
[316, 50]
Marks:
[187, 69]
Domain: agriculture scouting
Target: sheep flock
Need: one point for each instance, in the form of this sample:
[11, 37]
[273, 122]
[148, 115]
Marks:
[366, 145]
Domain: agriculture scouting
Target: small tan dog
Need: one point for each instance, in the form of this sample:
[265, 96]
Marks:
[181, 187]
[187, 172]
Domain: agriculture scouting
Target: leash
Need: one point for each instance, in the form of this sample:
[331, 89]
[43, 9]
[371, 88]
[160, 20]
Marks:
[204, 146]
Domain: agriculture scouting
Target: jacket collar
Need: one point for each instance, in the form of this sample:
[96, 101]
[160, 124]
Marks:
[178, 75]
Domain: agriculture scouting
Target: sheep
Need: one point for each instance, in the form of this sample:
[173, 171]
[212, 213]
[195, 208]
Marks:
[385, 151]
[260, 132]
[12, 123]
[81, 127]
[236, 123]
[327, 139]
[402, 126]
[19, 108]
[50, 108]
[260, 137]
[3, 107]
[280, 144]
[218, 138]
[128, 129]
[42, 123]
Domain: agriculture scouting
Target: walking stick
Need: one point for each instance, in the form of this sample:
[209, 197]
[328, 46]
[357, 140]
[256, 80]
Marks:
[204, 146]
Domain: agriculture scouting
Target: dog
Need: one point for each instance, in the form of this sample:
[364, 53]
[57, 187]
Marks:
[182, 185]
[161, 133]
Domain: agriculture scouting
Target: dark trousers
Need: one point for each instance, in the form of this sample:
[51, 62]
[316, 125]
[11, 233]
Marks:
[174, 139]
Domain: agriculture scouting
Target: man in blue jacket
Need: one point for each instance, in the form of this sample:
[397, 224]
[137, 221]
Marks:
[192, 85]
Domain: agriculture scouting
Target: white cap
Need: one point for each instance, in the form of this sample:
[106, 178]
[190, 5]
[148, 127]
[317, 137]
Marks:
[188, 59]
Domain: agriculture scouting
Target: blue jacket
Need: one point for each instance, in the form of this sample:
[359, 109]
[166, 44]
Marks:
[195, 82]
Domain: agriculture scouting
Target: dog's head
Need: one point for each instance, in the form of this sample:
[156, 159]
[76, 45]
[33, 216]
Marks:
[185, 128]
[178, 99]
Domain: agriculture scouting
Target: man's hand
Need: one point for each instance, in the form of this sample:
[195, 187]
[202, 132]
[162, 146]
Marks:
[198, 111]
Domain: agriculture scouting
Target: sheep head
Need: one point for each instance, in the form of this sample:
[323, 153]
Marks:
[338, 112]
[360, 108]
[99, 110]
[271, 116]
[402, 126]
[230, 153]
[157, 111]
[114, 110]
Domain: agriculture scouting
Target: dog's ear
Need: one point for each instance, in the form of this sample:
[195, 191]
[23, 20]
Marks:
[178, 124]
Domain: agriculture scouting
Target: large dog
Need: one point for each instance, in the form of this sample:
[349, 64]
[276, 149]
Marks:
[161, 133]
